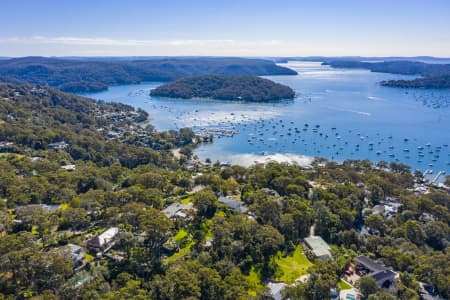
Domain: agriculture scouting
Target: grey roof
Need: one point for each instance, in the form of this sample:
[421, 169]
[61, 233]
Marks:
[48, 207]
[382, 276]
[318, 246]
[276, 288]
[58, 145]
[427, 292]
[378, 209]
[75, 252]
[176, 207]
[104, 238]
[369, 264]
[232, 202]
[377, 270]
[270, 192]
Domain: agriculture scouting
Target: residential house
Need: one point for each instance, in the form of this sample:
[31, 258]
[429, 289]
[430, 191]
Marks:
[318, 247]
[58, 145]
[48, 207]
[378, 209]
[232, 202]
[420, 189]
[427, 292]
[7, 147]
[179, 210]
[38, 91]
[276, 289]
[69, 168]
[270, 192]
[384, 277]
[104, 241]
[75, 252]
[225, 164]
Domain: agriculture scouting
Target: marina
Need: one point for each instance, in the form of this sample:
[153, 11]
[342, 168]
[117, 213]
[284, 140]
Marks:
[338, 114]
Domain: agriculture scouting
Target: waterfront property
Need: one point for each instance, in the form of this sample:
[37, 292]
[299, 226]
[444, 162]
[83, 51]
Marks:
[351, 123]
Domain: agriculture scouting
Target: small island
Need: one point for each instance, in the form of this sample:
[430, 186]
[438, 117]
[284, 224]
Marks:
[225, 87]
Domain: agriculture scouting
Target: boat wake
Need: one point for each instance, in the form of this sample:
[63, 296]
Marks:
[350, 110]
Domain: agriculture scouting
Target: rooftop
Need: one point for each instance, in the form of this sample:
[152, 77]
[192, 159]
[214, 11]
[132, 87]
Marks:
[173, 209]
[369, 264]
[318, 246]
[232, 202]
[275, 289]
[110, 233]
[382, 276]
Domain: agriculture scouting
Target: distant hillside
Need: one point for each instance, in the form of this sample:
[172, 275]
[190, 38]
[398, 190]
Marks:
[225, 87]
[32, 118]
[434, 75]
[73, 75]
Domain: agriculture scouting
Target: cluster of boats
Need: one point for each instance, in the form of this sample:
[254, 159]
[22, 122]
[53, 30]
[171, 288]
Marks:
[268, 134]
[275, 135]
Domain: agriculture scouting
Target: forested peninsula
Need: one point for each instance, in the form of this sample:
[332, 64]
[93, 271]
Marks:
[93, 206]
[225, 87]
[433, 76]
[77, 75]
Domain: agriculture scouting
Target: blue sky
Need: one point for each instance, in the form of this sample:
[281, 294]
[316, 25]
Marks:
[232, 27]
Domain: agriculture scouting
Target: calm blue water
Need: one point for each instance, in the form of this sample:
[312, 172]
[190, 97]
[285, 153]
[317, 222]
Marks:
[339, 114]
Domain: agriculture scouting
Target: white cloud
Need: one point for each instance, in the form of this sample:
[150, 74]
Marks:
[70, 45]
[68, 40]
[73, 45]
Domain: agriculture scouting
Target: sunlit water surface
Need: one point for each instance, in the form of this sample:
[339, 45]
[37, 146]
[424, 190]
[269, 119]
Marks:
[338, 114]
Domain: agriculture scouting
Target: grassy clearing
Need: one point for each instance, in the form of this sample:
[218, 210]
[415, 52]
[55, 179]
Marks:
[344, 285]
[34, 230]
[254, 281]
[182, 252]
[64, 207]
[220, 214]
[180, 235]
[291, 267]
[89, 257]
[186, 201]
[206, 228]
[182, 238]
[8, 154]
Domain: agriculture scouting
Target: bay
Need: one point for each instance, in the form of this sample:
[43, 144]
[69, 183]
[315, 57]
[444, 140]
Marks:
[338, 114]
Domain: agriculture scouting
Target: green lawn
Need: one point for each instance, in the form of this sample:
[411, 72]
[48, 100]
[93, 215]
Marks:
[344, 285]
[291, 267]
[180, 235]
[206, 228]
[7, 154]
[182, 252]
[254, 282]
[186, 201]
[89, 257]
[64, 207]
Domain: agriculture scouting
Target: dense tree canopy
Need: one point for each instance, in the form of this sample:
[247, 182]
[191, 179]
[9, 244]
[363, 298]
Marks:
[208, 249]
[222, 87]
[78, 75]
[434, 76]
